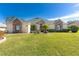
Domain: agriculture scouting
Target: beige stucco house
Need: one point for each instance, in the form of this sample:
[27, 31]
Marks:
[55, 24]
[16, 25]
[76, 23]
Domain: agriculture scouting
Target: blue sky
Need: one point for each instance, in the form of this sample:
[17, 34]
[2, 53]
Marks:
[28, 11]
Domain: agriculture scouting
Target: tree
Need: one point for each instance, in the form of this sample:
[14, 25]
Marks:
[45, 27]
[33, 28]
[74, 28]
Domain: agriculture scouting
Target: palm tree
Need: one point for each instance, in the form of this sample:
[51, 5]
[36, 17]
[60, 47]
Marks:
[45, 27]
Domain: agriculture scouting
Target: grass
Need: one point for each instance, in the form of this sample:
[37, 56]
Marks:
[51, 44]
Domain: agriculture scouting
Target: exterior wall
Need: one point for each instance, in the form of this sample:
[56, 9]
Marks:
[65, 26]
[25, 27]
[51, 25]
[9, 27]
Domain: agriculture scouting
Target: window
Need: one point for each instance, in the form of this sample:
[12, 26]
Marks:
[18, 27]
[58, 27]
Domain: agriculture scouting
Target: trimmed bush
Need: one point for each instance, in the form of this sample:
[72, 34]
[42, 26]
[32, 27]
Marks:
[51, 30]
[74, 28]
[63, 30]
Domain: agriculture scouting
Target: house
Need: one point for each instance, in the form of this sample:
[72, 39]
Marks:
[56, 24]
[16, 25]
[71, 23]
[3, 27]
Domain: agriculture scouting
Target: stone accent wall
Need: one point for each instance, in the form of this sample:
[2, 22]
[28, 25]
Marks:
[17, 22]
[58, 25]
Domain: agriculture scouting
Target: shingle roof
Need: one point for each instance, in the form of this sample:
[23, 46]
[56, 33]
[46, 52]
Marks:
[12, 18]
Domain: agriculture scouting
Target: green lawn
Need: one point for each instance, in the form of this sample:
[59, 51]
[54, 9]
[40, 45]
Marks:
[51, 44]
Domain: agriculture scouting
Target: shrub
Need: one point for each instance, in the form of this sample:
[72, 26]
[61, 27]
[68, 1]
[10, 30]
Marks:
[45, 27]
[74, 28]
[33, 28]
[1, 33]
[51, 30]
[63, 30]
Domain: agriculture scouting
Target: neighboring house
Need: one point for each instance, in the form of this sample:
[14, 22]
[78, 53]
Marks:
[56, 24]
[16, 25]
[3, 27]
[76, 23]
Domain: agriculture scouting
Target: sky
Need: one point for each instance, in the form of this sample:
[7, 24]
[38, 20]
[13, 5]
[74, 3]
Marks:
[49, 11]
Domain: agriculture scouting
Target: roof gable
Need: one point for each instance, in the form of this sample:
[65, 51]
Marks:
[11, 19]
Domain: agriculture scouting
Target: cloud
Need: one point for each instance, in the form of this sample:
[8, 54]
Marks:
[76, 14]
[76, 5]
